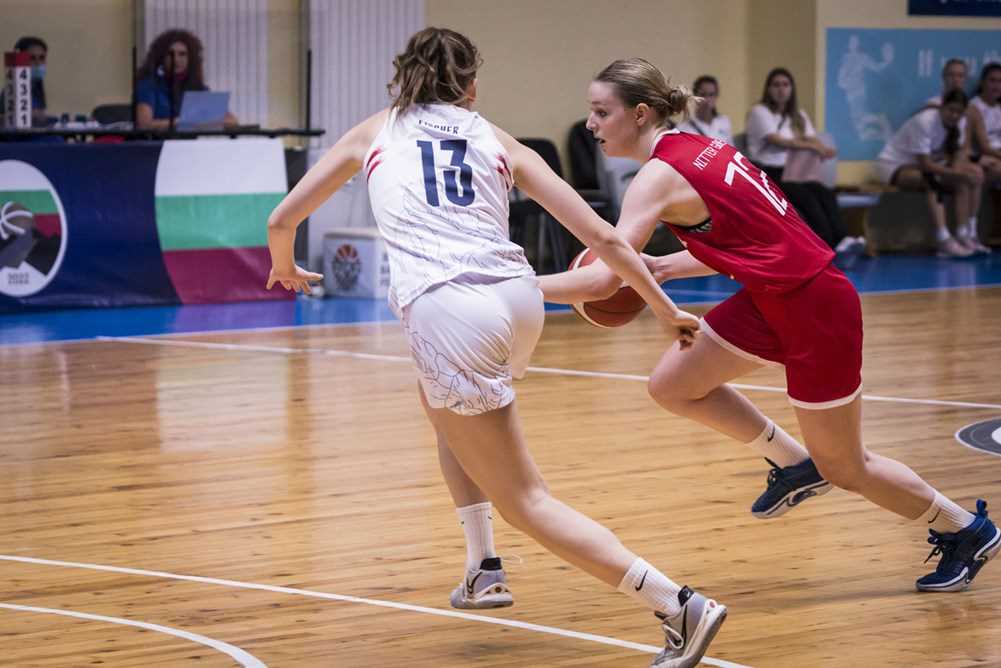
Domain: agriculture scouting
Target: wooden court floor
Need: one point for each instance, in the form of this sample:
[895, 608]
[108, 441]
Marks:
[272, 498]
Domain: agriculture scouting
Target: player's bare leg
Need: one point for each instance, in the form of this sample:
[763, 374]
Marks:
[491, 450]
[692, 383]
[965, 540]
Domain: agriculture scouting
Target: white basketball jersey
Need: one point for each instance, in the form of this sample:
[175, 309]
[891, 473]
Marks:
[438, 180]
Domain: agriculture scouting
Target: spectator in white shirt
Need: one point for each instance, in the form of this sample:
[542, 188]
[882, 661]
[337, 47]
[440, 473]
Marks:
[707, 121]
[984, 114]
[929, 153]
[954, 74]
[777, 125]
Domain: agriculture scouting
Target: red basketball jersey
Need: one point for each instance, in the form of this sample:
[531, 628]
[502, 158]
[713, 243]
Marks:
[753, 234]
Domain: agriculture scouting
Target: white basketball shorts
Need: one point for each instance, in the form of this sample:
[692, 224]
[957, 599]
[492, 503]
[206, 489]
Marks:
[468, 339]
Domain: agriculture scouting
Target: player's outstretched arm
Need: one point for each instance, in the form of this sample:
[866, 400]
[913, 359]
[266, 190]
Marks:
[657, 187]
[534, 176]
[587, 284]
[339, 164]
[676, 265]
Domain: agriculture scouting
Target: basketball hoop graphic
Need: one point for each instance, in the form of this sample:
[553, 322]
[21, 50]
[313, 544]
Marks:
[32, 229]
[346, 267]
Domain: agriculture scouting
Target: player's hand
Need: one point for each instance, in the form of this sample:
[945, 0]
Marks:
[658, 266]
[296, 278]
[682, 326]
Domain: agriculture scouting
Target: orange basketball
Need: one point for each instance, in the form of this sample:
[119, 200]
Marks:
[617, 310]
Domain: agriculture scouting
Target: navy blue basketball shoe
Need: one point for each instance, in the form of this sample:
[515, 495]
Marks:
[964, 553]
[789, 486]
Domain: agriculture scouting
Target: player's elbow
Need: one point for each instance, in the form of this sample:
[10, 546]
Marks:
[277, 220]
[606, 241]
[604, 286]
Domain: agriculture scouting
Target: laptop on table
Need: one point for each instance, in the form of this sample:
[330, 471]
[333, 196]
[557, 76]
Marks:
[203, 110]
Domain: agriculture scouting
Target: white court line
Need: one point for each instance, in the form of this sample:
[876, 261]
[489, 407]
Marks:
[394, 321]
[273, 328]
[918, 291]
[698, 293]
[891, 291]
[209, 332]
[240, 656]
[239, 347]
[41, 344]
[538, 628]
[536, 369]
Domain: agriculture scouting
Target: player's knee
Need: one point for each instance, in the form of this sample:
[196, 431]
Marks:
[844, 475]
[671, 392]
[521, 510]
[660, 390]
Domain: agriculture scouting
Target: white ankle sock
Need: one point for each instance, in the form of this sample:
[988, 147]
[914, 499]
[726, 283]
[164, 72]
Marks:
[652, 588]
[477, 524]
[844, 244]
[945, 516]
[969, 230]
[774, 443]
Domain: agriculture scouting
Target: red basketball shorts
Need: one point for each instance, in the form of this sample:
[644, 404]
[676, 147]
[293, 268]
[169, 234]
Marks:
[815, 331]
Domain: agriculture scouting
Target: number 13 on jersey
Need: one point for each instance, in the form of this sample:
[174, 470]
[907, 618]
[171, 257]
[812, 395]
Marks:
[457, 147]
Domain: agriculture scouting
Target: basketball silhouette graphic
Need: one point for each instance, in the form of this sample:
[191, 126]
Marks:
[17, 234]
[346, 266]
[32, 229]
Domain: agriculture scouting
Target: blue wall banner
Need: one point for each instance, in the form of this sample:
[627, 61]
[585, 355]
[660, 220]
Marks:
[876, 79]
[954, 7]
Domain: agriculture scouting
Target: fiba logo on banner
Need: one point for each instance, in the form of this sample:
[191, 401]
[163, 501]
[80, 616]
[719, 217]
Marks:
[32, 229]
[346, 266]
[355, 263]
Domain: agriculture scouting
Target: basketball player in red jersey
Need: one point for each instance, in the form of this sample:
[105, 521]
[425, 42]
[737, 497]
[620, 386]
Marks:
[795, 309]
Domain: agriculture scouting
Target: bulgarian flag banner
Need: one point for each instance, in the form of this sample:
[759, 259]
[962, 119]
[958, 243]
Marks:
[213, 198]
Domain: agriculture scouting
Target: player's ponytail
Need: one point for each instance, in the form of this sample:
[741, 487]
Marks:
[637, 81]
[437, 66]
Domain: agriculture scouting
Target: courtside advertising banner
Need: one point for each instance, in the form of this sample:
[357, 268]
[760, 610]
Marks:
[137, 223]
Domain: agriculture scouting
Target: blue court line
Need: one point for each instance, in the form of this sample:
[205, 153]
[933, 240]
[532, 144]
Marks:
[886, 274]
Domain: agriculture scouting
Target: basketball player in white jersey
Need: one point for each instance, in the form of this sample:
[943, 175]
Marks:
[438, 176]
